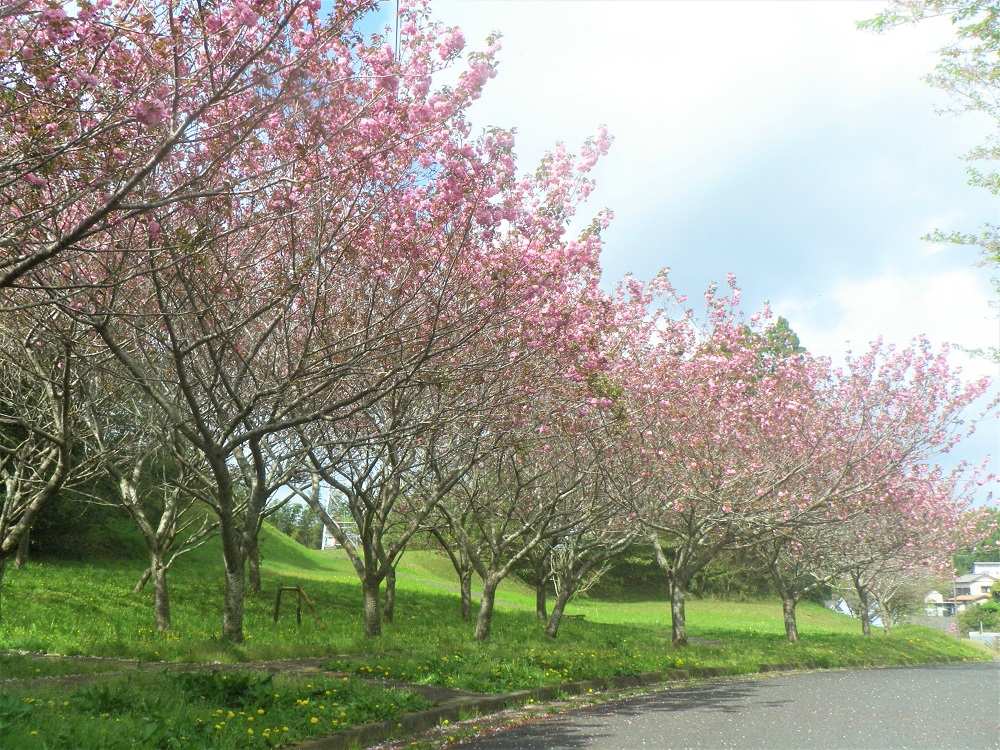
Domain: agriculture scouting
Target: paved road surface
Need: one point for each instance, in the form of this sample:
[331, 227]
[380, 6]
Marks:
[941, 707]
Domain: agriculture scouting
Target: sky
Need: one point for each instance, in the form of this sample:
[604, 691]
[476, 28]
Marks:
[771, 140]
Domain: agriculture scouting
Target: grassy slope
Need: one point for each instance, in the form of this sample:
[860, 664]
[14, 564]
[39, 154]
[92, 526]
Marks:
[72, 607]
[77, 608]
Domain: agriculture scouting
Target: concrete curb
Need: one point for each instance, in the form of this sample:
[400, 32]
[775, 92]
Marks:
[456, 710]
[482, 705]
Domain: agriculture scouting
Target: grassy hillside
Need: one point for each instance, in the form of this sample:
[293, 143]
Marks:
[75, 607]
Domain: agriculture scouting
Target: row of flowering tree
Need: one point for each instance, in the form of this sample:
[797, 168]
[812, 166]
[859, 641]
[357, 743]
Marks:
[301, 242]
[758, 446]
[247, 249]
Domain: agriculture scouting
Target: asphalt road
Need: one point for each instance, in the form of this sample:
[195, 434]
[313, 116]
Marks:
[942, 707]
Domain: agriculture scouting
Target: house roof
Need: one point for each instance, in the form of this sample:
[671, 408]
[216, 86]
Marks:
[969, 598]
[973, 577]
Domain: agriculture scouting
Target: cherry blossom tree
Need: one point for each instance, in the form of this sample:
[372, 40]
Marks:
[385, 474]
[749, 444]
[131, 447]
[889, 413]
[541, 484]
[587, 550]
[619, 325]
[513, 501]
[502, 273]
[116, 112]
[296, 285]
[885, 537]
[40, 426]
[918, 526]
[712, 419]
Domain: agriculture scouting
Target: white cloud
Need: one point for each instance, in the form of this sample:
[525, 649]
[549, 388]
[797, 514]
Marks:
[695, 91]
[951, 307]
[674, 77]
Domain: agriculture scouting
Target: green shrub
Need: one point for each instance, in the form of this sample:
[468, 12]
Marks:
[70, 528]
[13, 710]
[109, 698]
[987, 614]
[228, 689]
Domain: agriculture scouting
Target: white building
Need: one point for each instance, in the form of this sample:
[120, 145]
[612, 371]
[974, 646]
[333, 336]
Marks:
[350, 529]
[972, 588]
[991, 569]
[936, 605]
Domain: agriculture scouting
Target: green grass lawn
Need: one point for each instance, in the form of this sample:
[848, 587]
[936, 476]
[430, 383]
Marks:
[76, 608]
[88, 608]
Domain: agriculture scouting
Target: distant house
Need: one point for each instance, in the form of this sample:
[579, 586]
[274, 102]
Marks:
[987, 568]
[974, 585]
[936, 605]
[841, 605]
[972, 588]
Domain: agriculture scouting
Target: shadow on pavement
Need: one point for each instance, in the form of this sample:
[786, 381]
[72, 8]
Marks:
[568, 731]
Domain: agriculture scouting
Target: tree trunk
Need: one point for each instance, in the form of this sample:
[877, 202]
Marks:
[3, 568]
[791, 626]
[232, 604]
[866, 622]
[790, 595]
[541, 606]
[143, 580]
[235, 591]
[161, 599]
[465, 586]
[678, 634]
[371, 610]
[678, 585]
[390, 595]
[555, 619]
[486, 604]
[253, 563]
[22, 550]
[865, 614]
[864, 605]
[883, 611]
